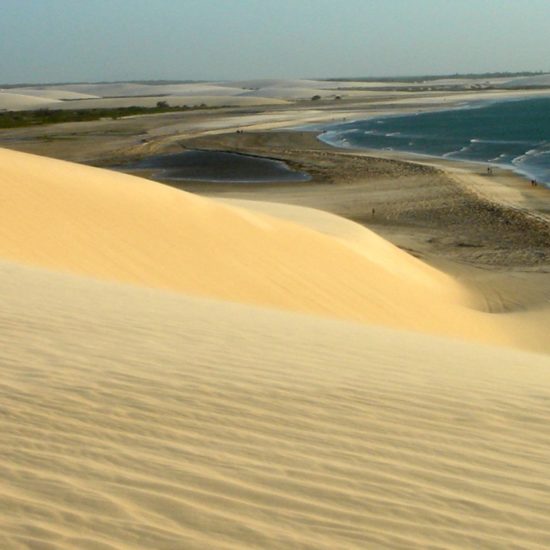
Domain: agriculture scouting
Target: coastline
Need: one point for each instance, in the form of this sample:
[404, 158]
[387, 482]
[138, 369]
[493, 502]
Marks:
[336, 135]
[425, 158]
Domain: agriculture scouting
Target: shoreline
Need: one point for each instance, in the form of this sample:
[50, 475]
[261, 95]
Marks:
[531, 176]
[412, 156]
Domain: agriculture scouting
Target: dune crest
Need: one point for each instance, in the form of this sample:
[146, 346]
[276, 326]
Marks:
[182, 372]
[104, 224]
[107, 224]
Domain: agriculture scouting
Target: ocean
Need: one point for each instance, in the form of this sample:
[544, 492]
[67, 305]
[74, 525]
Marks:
[513, 134]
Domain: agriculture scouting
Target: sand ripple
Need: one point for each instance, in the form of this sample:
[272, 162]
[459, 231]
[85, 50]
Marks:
[137, 419]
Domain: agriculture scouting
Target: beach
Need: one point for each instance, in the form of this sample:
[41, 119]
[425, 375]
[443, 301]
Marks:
[359, 360]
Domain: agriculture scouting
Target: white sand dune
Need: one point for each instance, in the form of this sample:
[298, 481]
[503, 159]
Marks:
[361, 241]
[52, 93]
[128, 89]
[259, 92]
[67, 216]
[133, 418]
[179, 372]
[112, 89]
[114, 226]
[19, 102]
[196, 89]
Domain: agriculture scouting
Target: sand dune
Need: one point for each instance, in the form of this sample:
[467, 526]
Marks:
[134, 418]
[231, 93]
[93, 96]
[18, 102]
[259, 92]
[197, 89]
[52, 93]
[113, 89]
[128, 89]
[361, 241]
[181, 372]
[114, 226]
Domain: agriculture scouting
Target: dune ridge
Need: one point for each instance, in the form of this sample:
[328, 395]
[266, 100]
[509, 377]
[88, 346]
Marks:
[105, 224]
[19, 101]
[110, 225]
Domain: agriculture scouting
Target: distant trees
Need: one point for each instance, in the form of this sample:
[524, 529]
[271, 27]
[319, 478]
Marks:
[316, 98]
[16, 119]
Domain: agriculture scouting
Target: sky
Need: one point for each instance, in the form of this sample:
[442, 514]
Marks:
[45, 41]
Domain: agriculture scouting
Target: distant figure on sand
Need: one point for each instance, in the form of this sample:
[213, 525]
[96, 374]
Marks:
[534, 183]
[489, 171]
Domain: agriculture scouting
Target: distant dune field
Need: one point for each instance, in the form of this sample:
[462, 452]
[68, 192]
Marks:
[240, 93]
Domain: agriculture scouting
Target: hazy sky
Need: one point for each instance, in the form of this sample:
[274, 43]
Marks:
[92, 40]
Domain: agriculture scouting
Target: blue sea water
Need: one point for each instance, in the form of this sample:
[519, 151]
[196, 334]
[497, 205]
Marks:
[513, 134]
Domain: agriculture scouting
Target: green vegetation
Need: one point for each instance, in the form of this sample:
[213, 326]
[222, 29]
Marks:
[17, 119]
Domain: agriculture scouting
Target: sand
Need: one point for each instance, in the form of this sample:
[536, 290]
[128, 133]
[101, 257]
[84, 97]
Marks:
[262, 92]
[22, 102]
[134, 418]
[244, 370]
[53, 93]
[115, 226]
